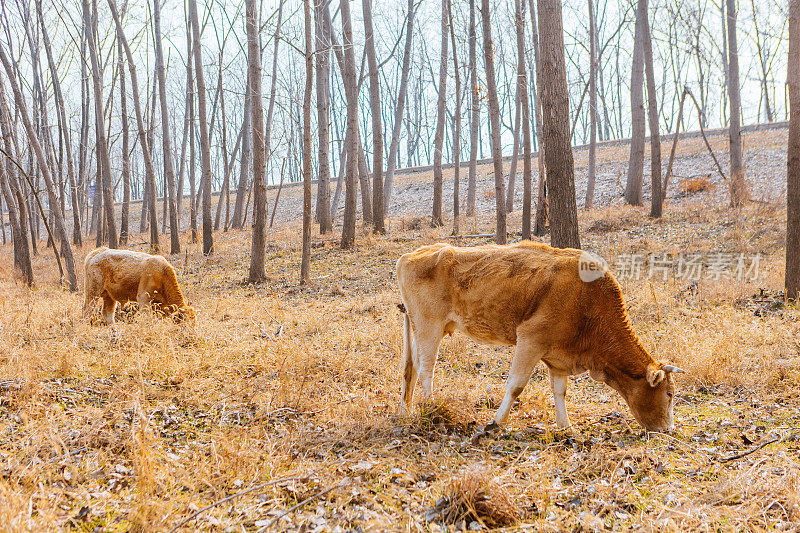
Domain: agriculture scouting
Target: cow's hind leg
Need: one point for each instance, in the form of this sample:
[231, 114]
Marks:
[526, 355]
[408, 367]
[426, 348]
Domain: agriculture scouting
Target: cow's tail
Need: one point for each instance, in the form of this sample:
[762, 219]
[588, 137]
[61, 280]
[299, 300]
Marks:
[407, 342]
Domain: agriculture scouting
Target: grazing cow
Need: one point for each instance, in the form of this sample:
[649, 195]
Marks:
[533, 297]
[124, 275]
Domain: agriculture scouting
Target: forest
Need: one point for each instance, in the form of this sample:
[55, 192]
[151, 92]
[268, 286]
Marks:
[284, 159]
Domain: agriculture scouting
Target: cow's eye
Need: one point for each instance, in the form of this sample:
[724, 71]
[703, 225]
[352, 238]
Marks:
[670, 395]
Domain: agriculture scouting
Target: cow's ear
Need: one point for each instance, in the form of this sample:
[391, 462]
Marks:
[655, 375]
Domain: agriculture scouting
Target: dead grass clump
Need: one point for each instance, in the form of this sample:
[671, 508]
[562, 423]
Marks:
[477, 495]
[693, 185]
[443, 412]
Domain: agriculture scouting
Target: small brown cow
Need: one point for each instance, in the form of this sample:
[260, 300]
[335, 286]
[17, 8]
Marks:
[533, 297]
[124, 276]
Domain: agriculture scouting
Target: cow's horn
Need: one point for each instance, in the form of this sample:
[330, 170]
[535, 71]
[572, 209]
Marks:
[674, 369]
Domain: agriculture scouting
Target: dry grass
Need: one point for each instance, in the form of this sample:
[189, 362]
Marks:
[136, 427]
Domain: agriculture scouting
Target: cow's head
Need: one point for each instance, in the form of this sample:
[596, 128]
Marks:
[651, 397]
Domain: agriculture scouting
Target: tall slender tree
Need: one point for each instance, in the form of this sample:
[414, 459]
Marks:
[456, 128]
[652, 118]
[305, 262]
[377, 122]
[739, 189]
[633, 185]
[124, 223]
[522, 90]
[257, 255]
[792, 278]
[474, 113]
[592, 107]
[556, 131]
[323, 72]
[441, 118]
[350, 89]
[500, 235]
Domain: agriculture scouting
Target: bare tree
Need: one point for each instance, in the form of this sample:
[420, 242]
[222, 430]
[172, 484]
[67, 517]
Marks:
[456, 128]
[44, 167]
[655, 136]
[150, 174]
[257, 259]
[305, 262]
[64, 131]
[100, 130]
[474, 113]
[739, 189]
[540, 225]
[500, 235]
[633, 185]
[792, 278]
[237, 220]
[126, 157]
[522, 90]
[377, 123]
[441, 103]
[399, 109]
[556, 131]
[166, 138]
[323, 72]
[350, 89]
[592, 107]
[205, 143]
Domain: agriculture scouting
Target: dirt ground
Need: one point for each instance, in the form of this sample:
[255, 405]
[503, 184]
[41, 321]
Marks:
[277, 407]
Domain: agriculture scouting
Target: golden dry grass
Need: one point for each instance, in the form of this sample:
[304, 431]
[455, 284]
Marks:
[137, 427]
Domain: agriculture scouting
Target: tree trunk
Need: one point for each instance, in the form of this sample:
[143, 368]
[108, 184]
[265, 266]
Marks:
[655, 137]
[792, 280]
[33, 141]
[739, 189]
[100, 131]
[522, 90]
[441, 107]
[500, 235]
[512, 173]
[65, 131]
[237, 221]
[474, 113]
[592, 107]
[166, 137]
[399, 110]
[555, 98]
[350, 88]
[456, 129]
[377, 126]
[633, 185]
[150, 174]
[257, 255]
[305, 262]
[205, 142]
[323, 40]
[126, 159]
[540, 225]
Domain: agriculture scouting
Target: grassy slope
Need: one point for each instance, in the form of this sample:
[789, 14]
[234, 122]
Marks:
[148, 422]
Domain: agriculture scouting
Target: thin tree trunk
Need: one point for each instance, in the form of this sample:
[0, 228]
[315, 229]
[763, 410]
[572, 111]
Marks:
[655, 137]
[739, 188]
[323, 117]
[512, 173]
[377, 126]
[257, 256]
[633, 185]
[456, 129]
[126, 160]
[237, 221]
[674, 147]
[592, 107]
[225, 190]
[522, 89]
[555, 98]
[474, 114]
[542, 215]
[350, 88]
[166, 137]
[150, 174]
[792, 277]
[441, 107]
[500, 236]
[305, 262]
[399, 111]
[33, 141]
[100, 130]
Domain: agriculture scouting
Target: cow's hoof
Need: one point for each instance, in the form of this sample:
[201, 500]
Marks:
[488, 429]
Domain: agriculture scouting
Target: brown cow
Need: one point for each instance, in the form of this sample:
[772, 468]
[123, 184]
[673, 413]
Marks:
[534, 297]
[124, 275]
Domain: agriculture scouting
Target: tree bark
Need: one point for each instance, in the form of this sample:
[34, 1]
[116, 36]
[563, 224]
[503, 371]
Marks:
[205, 142]
[555, 98]
[257, 254]
[792, 276]
[739, 189]
[456, 129]
[633, 185]
[655, 136]
[350, 88]
[512, 173]
[305, 262]
[441, 107]
[323, 40]
[377, 126]
[237, 221]
[166, 137]
[540, 225]
[500, 236]
[522, 90]
[126, 159]
[592, 108]
[100, 131]
[474, 113]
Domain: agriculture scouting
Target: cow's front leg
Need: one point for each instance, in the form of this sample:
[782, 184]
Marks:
[426, 348]
[526, 355]
[559, 385]
[109, 308]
